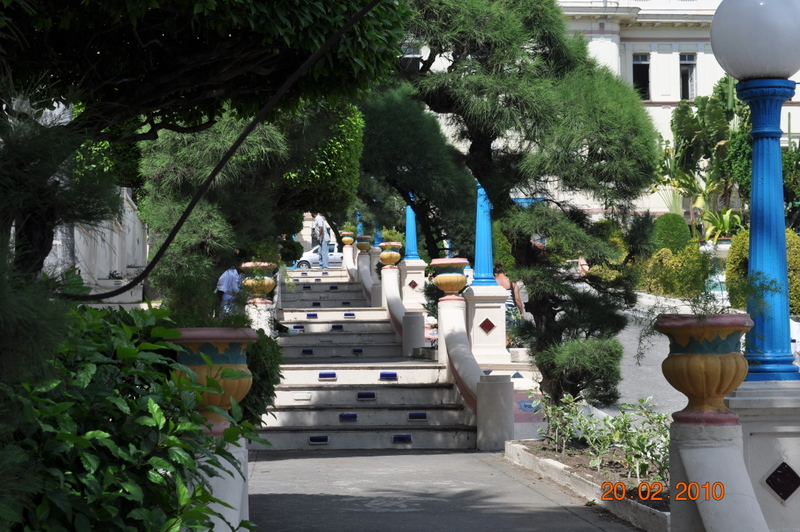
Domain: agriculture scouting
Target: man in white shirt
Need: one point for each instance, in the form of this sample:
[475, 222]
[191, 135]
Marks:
[227, 287]
[323, 238]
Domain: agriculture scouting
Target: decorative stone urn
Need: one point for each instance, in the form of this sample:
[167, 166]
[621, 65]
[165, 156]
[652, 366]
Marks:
[227, 349]
[347, 238]
[449, 275]
[389, 252]
[258, 280]
[705, 363]
[363, 242]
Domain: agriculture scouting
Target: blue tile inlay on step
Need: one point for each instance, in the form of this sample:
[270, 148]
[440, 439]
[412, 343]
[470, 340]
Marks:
[401, 438]
[366, 396]
[418, 416]
[303, 273]
[318, 440]
[316, 303]
[298, 326]
[357, 351]
[388, 376]
[516, 375]
[348, 417]
[311, 315]
[327, 375]
[487, 372]
[345, 303]
[333, 287]
[349, 314]
[337, 327]
[306, 287]
[308, 351]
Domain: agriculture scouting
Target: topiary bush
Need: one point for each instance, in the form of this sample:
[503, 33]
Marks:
[671, 232]
[586, 367]
[682, 275]
[738, 261]
[111, 441]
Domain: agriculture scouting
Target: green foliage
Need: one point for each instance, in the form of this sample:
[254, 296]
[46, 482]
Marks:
[41, 187]
[110, 441]
[264, 358]
[740, 285]
[671, 232]
[241, 52]
[587, 367]
[722, 224]
[638, 432]
[405, 153]
[682, 275]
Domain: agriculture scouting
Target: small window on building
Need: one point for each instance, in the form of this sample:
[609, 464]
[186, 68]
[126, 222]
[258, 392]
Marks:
[641, 75]
[688, 84]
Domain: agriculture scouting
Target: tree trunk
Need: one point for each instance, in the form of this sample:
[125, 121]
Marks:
[33, 240]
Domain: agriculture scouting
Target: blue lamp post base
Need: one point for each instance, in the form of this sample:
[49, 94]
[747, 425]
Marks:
[769, 341]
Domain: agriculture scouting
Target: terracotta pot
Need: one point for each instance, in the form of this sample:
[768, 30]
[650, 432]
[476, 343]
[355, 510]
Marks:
[449, 275]
[705, 362]
[227, 348]
[389, 253]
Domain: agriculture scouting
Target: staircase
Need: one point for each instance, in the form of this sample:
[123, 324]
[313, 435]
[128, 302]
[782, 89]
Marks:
[345, 382]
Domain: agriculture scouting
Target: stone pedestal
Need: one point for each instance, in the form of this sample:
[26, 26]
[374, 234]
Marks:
[769, 412]
[412, 281]
[261, 313]
[495, 412]
[232, 489]
[709, 486]
[486, 323]
[374, 259]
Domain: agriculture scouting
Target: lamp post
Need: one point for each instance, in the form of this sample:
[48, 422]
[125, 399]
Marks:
[756, 42]
[484, 269]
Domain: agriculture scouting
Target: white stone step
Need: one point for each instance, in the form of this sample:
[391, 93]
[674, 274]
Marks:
[334, 315]
[334, 338]
[404, 371]
[333, 275]
[326, 302]
[342, 326]
[376, 394]
[387, 437]
[348, 416]
[321, 286]
[343, 351]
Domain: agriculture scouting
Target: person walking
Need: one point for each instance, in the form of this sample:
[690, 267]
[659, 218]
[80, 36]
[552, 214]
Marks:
[227, 287]
[323, 238]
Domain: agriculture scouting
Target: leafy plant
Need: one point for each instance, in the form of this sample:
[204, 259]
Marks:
[561, 419]
[723, 223]
[264, 358]
[112, 440]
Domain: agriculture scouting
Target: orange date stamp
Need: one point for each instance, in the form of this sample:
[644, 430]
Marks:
[654, 491]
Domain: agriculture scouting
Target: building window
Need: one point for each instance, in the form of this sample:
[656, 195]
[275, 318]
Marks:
[688, 67]
[641, 75]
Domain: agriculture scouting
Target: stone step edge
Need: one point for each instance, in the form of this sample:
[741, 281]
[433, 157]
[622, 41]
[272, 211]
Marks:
[371, 428]
[377, 385]
[358, 367]
[284, 408]
[646, 518]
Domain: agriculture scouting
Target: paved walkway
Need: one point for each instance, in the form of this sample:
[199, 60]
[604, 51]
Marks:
[409, 491]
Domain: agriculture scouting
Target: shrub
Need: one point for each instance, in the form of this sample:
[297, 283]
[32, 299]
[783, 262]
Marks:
[671, 232]
[111, 442]
[585, 367]
[737, 264]
[264, 360]
[681, 275]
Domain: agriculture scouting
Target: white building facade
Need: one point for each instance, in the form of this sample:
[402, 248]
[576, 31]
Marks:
[663, 49]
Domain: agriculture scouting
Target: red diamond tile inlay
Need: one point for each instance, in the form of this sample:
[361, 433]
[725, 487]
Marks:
[487, 326]
[413, 284]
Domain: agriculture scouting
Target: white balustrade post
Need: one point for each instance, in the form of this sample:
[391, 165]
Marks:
[495, 412]
[413, 332]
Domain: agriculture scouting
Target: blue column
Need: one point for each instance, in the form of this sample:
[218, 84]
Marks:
[769, 342]
[377, 238]
[411, 234]
[484, 269]
[359, 224]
